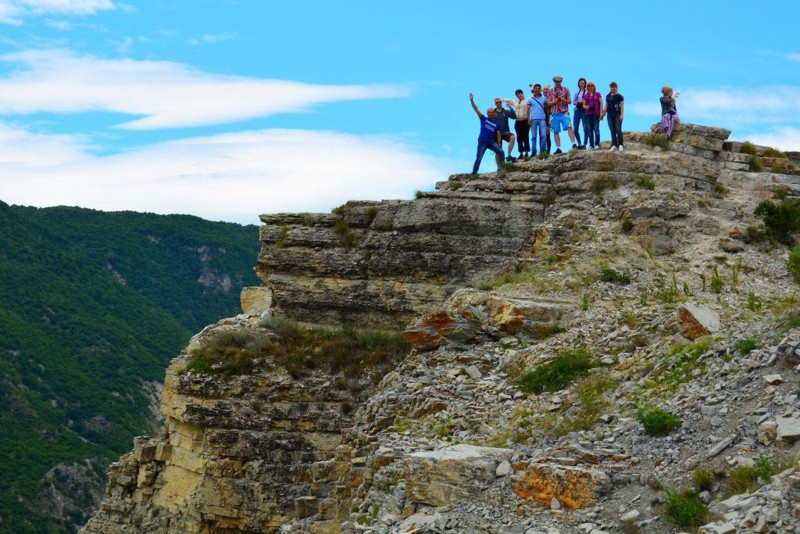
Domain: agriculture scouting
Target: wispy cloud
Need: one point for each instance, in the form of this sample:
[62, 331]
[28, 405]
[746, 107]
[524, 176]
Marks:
[784, 138]
[794, 56]
[733, 107]
[212, 38]
[232, 177]
[164, 94]
[14, 11]
[63, 25]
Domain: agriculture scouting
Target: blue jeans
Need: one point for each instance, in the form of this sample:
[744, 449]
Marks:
[539, 127]
[591, 128]
[615, 125]
[579, 116]
[483, 146]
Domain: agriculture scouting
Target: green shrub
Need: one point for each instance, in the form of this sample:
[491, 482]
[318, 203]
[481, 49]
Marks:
[780, 220]
[372, 212]
[717, 284]
[610, 275]
[685, 508]
[720, 189]
[746, 345]
[773, 153]
[281, 242]
[743, 479]
[793, 265]
[657, 422]
[346, 238]
[558, 373]
[601, 183]
[756, 165]
[753, 302]
[627, 225]
[353, 353]
[645, 182]
[703, 480]
[549, 199]
[419, 194]
[656, 139]
[748, 148]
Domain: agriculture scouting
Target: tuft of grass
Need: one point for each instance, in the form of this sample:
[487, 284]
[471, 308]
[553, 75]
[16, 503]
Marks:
[717, 284]
[419, 194]
[742, 479]
[545, 330]
[558, 373]
[748, 148]
[347, 239]
[793, 265]
[746, 345]
[549, 199]
[656, 139]
[502, 280]
[756, 165]
[753, 302]
[684, 508]
[780, 220]
[645, 182]
[773, 153]
[339, 210]
[720, 190]
[281, 242]
[704, 479]
[685, 358]
[352, 353]
[610, 275]
[601, 184]
[658, 422]
[627, 225]
[372, 212]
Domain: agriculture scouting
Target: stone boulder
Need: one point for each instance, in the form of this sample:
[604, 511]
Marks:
[697, 321]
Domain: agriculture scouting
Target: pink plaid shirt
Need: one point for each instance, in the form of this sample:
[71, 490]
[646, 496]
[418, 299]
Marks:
[559, 92]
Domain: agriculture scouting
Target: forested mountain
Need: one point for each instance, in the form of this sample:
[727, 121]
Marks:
[93, 305]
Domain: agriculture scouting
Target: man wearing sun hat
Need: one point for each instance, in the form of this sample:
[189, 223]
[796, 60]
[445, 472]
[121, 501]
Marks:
[559, 101]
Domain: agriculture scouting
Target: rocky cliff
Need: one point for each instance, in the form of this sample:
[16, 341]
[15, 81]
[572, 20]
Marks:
[557, 310]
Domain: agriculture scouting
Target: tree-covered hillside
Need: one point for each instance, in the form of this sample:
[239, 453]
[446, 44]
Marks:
[93, 305]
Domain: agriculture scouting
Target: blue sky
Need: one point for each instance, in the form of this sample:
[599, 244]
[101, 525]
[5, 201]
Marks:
[227, 109]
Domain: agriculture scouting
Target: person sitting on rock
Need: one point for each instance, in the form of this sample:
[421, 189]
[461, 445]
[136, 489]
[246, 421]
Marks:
[669, 112]
[489, 137]
[501, 117]
[538, 120]
[615, 109]
[559, 100]
[593, 108]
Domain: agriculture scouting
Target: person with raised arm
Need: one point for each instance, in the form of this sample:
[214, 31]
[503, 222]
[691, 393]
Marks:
[489, 137]
[615, 109]
[669, 111]
[501, 116]
[559, 100]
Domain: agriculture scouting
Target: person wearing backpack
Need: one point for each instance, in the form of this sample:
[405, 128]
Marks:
[537, 118]
[489, 138]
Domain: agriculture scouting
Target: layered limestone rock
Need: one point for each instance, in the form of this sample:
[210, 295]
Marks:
[264, 451]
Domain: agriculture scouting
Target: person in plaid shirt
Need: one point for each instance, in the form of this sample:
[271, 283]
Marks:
[559, 100]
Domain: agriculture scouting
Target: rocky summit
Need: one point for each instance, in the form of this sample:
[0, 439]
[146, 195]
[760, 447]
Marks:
[593, 342]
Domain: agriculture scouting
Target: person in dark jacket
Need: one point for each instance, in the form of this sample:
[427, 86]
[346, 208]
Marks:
[489, 137]
[501, 116]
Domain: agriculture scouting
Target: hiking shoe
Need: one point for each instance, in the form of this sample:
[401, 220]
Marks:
[621, 148]
[558, 151]
[511, 159]
[596, 147]
[574, 146]
[612, 149]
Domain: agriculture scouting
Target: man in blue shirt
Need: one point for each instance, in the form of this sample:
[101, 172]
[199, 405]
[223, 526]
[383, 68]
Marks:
[538, 120]
[489, 138]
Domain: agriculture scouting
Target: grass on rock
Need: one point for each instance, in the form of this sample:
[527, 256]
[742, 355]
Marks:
[558, 373]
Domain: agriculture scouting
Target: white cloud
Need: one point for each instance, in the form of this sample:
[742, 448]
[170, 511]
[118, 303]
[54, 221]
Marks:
[793, 56]
[164, 94]
[732, 108]
[212, 38]
[13, 11]
[232, 177]
[783, 138]
[63, 25]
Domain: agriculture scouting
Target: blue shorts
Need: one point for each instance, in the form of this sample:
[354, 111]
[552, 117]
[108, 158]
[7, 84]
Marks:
[559, 121]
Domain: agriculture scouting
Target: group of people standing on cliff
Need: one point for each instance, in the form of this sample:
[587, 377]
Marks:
[548, 110]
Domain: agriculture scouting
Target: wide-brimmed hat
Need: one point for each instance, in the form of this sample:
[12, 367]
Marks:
[557, 78]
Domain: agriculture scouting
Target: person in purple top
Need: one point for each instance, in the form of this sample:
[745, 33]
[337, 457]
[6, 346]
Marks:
[489, 138]
[593, 108]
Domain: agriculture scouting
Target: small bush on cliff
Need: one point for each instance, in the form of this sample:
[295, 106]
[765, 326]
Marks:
[685, 508]
[748, 148]
[346, 238]
[645, 182]
[558, 373]
[773, 153]
[756, 165]
[350, 352]
[780, 220]
[657, 139]
[610, 275]
[657, 422]
[793, 265]
[602, 183]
